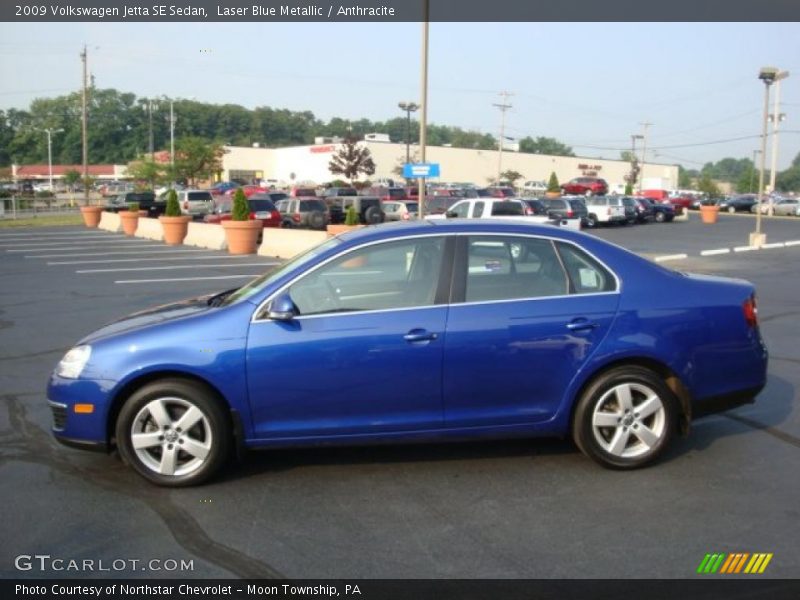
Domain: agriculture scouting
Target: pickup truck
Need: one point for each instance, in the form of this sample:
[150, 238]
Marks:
[146, 201]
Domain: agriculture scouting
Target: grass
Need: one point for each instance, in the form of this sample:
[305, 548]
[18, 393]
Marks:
[43, 221]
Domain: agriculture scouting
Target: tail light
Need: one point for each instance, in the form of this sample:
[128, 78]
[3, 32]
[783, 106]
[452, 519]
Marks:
[570, 214]
[252, 215]
[750, 311]
[275, 215]
[296, 218]
[406, 216]
[186, 205]
[528, 211]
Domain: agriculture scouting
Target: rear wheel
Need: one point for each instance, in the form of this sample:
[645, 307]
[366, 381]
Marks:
[731, 209]
[316, 220]
[591, 220]
[373, 215]
[625, 418]
[173, 432]
[659, 217]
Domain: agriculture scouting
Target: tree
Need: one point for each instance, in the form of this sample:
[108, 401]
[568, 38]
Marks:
[71, 178]
[511, 176]
[147, 170]
[552, 185]
[685, 178]
[196, 158]
[629, 189]
[544, 145]
[351, 160]
[707, 185]
[240, 211]
[173, 208]
[401, 161]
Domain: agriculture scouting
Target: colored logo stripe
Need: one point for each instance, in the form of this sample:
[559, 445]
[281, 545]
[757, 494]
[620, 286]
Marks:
[734, 563]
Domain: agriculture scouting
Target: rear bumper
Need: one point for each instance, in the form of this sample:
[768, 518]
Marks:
[717, 404]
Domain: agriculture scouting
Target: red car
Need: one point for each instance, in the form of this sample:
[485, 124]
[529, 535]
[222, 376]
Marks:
[685, 202]
[585, 186]
[260, 208]
[303, 192]
[248, 190]
[502, 192]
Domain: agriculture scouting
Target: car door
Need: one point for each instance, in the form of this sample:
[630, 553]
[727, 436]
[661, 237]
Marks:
[363, 354]
[527, 313]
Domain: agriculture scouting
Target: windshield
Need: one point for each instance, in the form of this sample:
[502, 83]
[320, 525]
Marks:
[261, 282]
[309, 205]
[261, 205]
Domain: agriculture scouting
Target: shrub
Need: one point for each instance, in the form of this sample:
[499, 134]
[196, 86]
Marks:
[552, 185]
[240, 210]
[173, 208]
[45, 194]
[133, 207]
[351, 216]
[629, 189]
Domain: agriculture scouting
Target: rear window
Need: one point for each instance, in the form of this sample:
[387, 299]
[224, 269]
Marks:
[397, 193]
[484, 193]
[577, 204]
[557, 203]
[261, 205]
[502, 209]
[367, 202]
[305, 192]
[347, 192]
[412, 206]
[206, 196]
[310, 205]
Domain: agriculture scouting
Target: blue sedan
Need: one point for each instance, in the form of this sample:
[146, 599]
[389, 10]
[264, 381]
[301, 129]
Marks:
[412, 332]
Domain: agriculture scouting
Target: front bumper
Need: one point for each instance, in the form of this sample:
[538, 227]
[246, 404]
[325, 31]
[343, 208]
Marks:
[80, 429]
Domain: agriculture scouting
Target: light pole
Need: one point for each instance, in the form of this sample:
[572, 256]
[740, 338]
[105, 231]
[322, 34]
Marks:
[635, 169]
[172, 133]
[151, 104]
[777, 117]
[423, 120]
[408, 107]
[644, 154]
[768, 75]
[49, 133]
[753, 170]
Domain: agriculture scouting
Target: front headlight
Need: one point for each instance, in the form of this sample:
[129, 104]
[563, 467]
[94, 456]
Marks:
[73, 362]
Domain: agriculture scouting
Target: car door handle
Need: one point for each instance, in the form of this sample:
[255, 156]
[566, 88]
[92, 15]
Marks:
[419, 335]
[581, 324]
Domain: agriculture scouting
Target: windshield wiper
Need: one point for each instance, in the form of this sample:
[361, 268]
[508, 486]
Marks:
[220, 298]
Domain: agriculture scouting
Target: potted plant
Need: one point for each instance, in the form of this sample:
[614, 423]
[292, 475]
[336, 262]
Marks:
[175, 225]
[553, 189]
[241, 231]
[709, 212]
[351, 221]
[130, 218]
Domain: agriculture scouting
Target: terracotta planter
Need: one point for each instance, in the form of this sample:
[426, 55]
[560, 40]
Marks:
[130, 221]
[337, 229]
[709, 214]
[91, 215]
[552, 194]
[242, 236]
[175, 229]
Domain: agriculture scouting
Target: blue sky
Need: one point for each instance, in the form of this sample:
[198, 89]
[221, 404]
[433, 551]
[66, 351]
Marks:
[586, 84]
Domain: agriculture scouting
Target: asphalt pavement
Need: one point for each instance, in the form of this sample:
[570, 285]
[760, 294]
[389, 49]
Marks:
[522, 508]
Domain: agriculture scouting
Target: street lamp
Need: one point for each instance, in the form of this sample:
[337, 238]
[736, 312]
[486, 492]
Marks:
[753, 170]
[423, 120]
[768, 75]
[777, 117]
[50, 133]
[408, 107]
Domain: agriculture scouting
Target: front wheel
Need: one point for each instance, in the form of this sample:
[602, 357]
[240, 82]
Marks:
[659, 217]
[731, 209]
[625, 418]
[591, 221]
[173, 432]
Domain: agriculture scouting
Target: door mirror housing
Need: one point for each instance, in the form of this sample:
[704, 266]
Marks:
[451, 214]
[282, 308]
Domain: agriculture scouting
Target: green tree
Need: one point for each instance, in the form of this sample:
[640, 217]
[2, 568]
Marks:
[707, 185]
[511, 176]
[352, 160]
[552, 185]
[147, 171]
[196, 158]
[71, 178]
[629, 189]
[240, 210]
[544, 145]
[173, 208]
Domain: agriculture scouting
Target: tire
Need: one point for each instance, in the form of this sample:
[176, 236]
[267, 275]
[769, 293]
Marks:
[373, 215]
[287, 224]
[316, 220]
[591, 221]
[659, 217]
[625, 418]
[152, 416]
[731, 209]
[588, 193]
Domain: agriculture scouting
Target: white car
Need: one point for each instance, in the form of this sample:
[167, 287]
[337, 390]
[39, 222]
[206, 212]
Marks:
[604, 210]
[196, 203]
[535, 187]
[491, 208]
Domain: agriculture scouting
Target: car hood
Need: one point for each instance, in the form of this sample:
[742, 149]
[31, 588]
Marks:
[152, 316]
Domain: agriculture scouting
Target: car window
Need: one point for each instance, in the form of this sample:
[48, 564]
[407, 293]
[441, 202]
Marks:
[379, 277]
[587, 276]
[503, 209]
[477, 212]
[261, 205]
[508, 268]
[199, 196]
[460, 210]
[311, 205]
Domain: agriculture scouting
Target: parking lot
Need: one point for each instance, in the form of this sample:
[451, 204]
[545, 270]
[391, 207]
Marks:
[517, 509]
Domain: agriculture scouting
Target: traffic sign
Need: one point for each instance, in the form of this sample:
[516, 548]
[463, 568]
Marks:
[418, 170]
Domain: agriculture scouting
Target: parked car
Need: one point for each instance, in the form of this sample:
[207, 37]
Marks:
[685, 202]
[261, 208]
[534, 187]
[662, 213]
[303, 192]
[780, 207]
[146, 201]
[438, 205]
[492, 208]
[740, 203]
[337, 192]
[566, 208]
[631, 210]
[196, 203]
[303, 213]
[502, 192]
[585, 186]
[644, 210]
[368, 208]
[401, 210]
[625, 353]
[218, 189]
[386, 194]
[604, 210]
[536, 206]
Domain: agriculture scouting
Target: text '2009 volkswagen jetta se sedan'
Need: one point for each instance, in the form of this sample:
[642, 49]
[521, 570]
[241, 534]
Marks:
[418, 331]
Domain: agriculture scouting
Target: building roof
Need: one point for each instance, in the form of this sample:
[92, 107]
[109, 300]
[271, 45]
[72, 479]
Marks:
[23, 171]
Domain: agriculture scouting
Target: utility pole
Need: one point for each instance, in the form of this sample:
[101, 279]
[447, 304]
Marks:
[83, 131]
[423, 113]
[503, 106]
[646, 126]
[50, 133]
[172, 133]
[753, 170]
[777, 117]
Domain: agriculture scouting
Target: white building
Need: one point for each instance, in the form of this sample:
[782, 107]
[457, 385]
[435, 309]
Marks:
[310, 164]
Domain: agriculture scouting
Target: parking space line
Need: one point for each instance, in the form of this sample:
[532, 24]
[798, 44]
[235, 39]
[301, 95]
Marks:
[775, 245]
[713, 252]
[49, 234]
[81, 242]
[171, 267]
[146, 251]
[125, 260]
[69, 248]
[667, 257]
[251, 276]
[81, 246]
[745, 248]
[792, 243]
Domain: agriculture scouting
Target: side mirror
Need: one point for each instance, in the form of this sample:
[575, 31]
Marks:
[450, 214]
[282, 308]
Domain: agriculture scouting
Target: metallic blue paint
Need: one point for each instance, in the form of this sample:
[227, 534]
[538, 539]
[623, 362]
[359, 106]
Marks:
[495, 369]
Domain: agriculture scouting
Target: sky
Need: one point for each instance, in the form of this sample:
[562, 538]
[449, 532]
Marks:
[589, 85]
